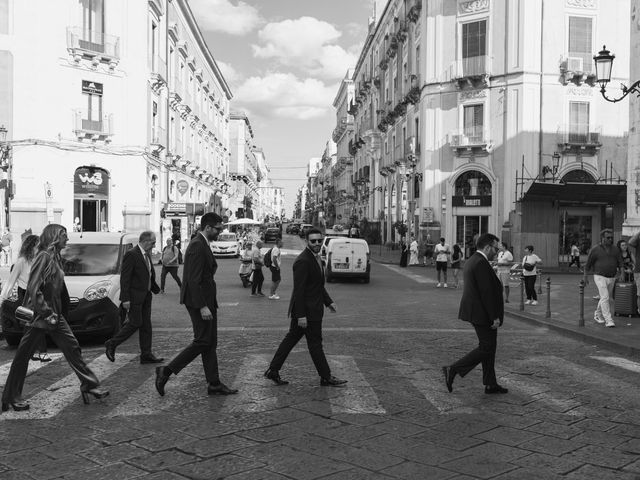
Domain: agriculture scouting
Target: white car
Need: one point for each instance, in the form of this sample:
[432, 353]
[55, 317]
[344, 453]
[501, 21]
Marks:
[325, 243]
[348, 258]
[226, 245]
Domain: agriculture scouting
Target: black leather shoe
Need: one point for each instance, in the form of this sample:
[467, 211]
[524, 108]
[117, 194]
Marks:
[162, 377]
[449, 375]
[332, 382]
[221, 389]
[275, 376]
[151, 358]
[495, 389]
[110, 351]
[18, 406]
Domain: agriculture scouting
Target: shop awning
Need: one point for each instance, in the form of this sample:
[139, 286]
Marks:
[587, 193]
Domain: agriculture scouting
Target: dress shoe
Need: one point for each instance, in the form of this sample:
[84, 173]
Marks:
[220, 389]
[95, 392]
[110, 351]
[275, 376]
[151, 358]
[332, 382]
[449, 375]
[162, 377]
[495, 389]
[18, 406]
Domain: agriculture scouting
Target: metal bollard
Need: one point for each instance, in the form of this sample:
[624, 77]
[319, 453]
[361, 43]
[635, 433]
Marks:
[539, 282]
[581, 318]
[548, 282]
[521, 293]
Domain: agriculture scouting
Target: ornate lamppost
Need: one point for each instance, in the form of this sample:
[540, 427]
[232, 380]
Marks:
[604, 65]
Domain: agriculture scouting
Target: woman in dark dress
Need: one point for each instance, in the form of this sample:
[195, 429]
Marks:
[47, 296]
[404, 255]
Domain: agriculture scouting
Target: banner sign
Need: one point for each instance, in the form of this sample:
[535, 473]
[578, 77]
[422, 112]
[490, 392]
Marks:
[91, 182]
[92, 88]
[182, 186]
[471, 201]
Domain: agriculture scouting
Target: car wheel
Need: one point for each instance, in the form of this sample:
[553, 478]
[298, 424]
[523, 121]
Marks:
[12, 339]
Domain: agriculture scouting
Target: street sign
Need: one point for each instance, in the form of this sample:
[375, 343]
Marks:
[48, 191]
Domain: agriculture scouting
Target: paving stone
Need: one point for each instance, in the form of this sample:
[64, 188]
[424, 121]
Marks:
[24, 458]
[258, 474]
[59, 467]
[447, 439]
[602, 439]
[269, 433]
[514, 421]
[559, 465]
[114, 471]
[15, 475]
[218, 467]
[62, 447]
[164, 441]
[604, 457]
[210, 430]
[630, 446]
[217, 446]
[401, 429]
[163, 476]
[507, 436]
[632, 431]
[464, 426]
[417, 471]
[351, 433]
[23, 442]
[357, 474]
[529, 474]
[503, 452]
[361, 419]
[593, 424]
[599, 473]
[155, 462]
[113, 454]
[550, 445]
[120, 435]
[555, 429]
[478, 466]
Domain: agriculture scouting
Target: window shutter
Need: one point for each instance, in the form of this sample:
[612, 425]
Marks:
[581, 40]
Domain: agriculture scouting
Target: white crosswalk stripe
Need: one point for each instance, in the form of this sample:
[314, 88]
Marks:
[357, 396]
[33, 367]
[53, 399]
[540, 392]
[620, 362]
[255, 393]
[405, 272]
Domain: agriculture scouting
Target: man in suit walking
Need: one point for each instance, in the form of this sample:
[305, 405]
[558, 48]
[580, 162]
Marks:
[137, 283]
[306, 310]
[482, 306]
[198, 294]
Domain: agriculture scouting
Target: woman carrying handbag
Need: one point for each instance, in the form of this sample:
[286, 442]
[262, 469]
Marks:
[47, 302]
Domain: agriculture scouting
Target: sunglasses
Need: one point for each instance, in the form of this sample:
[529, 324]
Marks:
[319, 240]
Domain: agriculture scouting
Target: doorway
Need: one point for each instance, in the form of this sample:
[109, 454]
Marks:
[92, 214]
[468, 228]
[578, 227]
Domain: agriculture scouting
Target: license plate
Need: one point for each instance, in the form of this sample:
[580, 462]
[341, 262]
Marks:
[340, 265]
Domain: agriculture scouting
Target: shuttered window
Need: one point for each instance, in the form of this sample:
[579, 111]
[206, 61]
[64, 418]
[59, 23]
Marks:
[474, 39]
[581, 41]
[578, 122]
[474, 122]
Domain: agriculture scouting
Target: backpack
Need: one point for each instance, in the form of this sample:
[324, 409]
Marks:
[267, 258]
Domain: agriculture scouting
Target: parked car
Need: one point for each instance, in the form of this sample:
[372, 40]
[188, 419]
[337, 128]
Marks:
[325, 242]
[293, 228]
[92, 262]
[348, 258]
[227, 245]
[304, 228]
[272, 234]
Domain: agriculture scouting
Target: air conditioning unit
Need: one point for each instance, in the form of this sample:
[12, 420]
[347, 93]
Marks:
[594, 137]
[456, 139]
[574, 64]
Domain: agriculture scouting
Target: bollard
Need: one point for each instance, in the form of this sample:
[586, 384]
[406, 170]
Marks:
[539, 282]
[581, 319]
[521, 292]
[548, 314]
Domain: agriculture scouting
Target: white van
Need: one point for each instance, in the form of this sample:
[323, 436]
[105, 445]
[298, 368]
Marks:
[348, 257]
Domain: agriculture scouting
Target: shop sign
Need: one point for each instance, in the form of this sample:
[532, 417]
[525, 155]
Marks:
[92, 88]
[91, 181]
[176, 208]
[427, 214]
[182, 186]
[471, 201]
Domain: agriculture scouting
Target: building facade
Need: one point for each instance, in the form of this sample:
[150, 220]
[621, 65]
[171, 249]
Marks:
[340, 195]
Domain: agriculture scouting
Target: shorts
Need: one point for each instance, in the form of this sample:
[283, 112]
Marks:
[275, 274]
[441, 266]
[504, 278]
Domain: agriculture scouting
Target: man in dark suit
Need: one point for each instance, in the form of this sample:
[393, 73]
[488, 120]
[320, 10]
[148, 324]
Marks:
[198, 294]
[137, 283]
[306, 310]
[483, 307]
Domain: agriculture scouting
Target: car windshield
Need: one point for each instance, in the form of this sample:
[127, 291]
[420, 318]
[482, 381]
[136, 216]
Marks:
[90, 259]
[226, 237]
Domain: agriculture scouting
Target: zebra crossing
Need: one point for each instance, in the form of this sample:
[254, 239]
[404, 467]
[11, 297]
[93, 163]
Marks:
[528, 380]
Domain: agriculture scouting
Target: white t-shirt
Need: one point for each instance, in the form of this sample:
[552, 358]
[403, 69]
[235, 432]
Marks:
[504, 261]
[533, 259]
[275, 257]
[442, 252]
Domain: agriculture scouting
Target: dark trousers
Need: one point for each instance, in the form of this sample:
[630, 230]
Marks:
[139, 318]
[173, 271]
[530, 287]
[485, 353]
[205, 342]
[66, 342]
[313, 332]
[42, 346]
[258, 280]
[575, 260]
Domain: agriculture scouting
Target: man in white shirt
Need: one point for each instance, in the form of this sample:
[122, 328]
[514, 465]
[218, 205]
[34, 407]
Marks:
[442, 251]
[275, 269]
[505, 260]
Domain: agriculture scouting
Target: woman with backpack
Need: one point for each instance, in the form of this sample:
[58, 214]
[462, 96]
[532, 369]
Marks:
[169, 261]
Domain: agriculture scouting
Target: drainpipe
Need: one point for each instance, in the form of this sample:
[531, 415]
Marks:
[540, 134]
[167, 112]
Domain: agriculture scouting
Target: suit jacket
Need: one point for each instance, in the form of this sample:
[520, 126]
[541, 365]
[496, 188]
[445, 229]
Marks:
[309, 296]
[47, 295]
[198, 285]
[134, 278]
[481, 301]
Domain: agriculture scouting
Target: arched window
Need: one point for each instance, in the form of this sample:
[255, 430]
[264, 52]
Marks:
[154, 186]
[472, 183]
[578, 176]
[191, 193]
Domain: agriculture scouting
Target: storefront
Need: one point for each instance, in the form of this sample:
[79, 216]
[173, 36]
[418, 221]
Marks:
[472, 209]
[91, 199]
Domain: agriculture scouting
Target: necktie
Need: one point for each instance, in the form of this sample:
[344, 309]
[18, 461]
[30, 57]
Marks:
[147, 259]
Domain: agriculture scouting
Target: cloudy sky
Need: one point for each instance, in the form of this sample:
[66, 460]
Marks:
[284, 60]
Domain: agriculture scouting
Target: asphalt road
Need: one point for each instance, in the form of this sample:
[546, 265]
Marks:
[572, 409]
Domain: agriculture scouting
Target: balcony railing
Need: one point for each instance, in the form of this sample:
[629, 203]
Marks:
[95, 129]
[579, 137]
[158, 135]
[470, 140]
[82, 42]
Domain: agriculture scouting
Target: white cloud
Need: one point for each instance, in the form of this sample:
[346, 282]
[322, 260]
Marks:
[230, 74]
[306, 43]
[284, 95]
[225, 16]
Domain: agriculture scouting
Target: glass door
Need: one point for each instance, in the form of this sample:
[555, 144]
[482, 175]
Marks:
[468, 229]
[576, 229]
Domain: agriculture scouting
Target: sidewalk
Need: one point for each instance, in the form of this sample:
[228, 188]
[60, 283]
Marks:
[565, 307]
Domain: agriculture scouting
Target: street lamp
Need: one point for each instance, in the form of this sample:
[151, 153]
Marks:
[604, 65]
[553, 169]
[6, 157]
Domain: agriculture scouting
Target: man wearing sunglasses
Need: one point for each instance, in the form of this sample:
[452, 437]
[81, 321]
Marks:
[605, 261]
[306, 310]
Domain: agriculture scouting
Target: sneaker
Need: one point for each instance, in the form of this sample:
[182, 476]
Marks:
[276, 297]
[609, 324]
[528, 302]
[446, 286]
[535, 302]
[438, 285]
[273, 297]
[598, 319]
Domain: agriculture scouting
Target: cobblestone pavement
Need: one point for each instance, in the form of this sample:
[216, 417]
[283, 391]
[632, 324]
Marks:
[571, 411]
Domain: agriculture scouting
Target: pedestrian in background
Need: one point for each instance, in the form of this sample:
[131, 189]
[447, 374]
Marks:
[5, 241]
[530, 263]
[605, 261]
[441, 252]
[627, 261]
[245, 264]
[306, 309]
[456, 262]
[257, 260]
[413, 251]
[275, 270]
[404, 252]
[505, 260]
[169, 259]
[48, 298]
[137, 287]
[199, 295]
[634, 242]
[482, 306]
[20, 276]
[575, 255]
